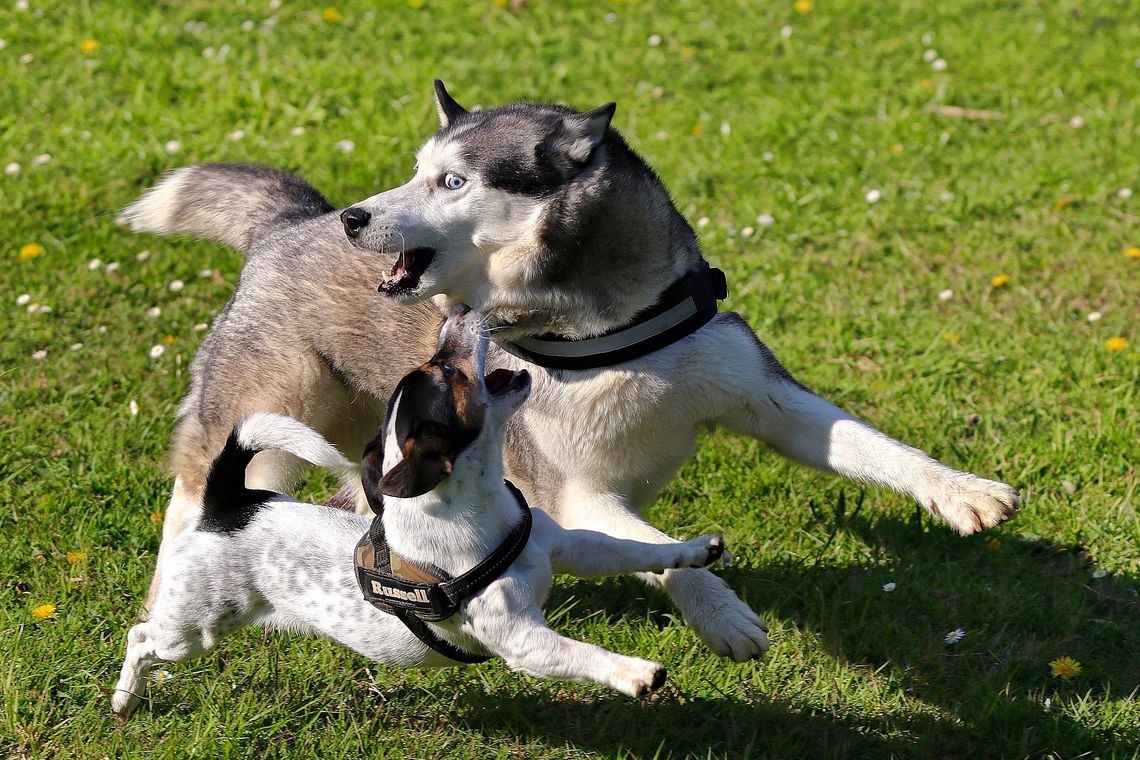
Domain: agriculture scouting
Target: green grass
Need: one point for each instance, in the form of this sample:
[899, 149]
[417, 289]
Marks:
[1011, 382]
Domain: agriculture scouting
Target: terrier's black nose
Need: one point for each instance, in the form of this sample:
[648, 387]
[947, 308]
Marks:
[354, 220]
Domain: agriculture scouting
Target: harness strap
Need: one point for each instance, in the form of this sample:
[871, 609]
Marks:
[685, 307]
[416, 593]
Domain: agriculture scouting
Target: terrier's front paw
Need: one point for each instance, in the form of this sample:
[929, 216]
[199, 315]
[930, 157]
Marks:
[700, 552]
[970, 504]
[637, 677]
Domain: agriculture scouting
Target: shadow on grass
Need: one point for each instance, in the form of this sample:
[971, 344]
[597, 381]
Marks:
[1022, 603]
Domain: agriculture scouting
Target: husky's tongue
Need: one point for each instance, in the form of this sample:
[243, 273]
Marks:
[406, 272]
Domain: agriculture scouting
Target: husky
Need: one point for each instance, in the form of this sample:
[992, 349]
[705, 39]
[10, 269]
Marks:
[546, 221]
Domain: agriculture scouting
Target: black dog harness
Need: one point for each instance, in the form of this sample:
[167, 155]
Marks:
[685, 307]
[418, 594]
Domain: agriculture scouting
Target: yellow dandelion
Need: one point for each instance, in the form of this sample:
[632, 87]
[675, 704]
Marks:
[925, 83]
[500, 3]
[74, 557]
[168, 339]
[698, 129]
[156, 517]
[951, 337]
[896, 149]
[44, 611]
[1063, 202]
[1000, 280]
[415, 4]
[1065, 668]
[30, 250]
[991, 543]
[688, 52]
[1132, 251]
[1116, 344]
[332, 14]
[90, 46]
[804, 6]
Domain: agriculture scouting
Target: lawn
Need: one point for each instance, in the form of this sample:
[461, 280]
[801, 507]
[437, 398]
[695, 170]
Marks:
[968, 280]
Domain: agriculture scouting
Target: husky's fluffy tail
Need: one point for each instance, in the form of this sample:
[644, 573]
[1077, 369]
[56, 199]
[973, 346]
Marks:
[227, 502]
[223, 202]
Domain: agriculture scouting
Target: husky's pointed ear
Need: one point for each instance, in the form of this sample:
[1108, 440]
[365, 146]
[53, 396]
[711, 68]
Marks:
[446, 106]
[572, 143]
[415, 475]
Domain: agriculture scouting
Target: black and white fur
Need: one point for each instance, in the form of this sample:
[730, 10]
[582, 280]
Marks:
[544, 219]
[263, 558]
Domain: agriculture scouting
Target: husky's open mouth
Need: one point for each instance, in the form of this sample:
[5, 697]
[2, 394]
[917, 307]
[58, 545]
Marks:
[503, 381]
[406, 272]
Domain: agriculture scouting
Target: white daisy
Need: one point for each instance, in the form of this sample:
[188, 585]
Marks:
[765, 220]
[12, 169]
[142, 255]
[873, 196]
[156, 350]
[768, 156]
[297, 131]
[94, 264]
[785, 31]
[76, 346]
[101, 329]
[938, 64]
[236, 135]
[33, 308]
[945, 295]
[41, 159]
[725, 128]
[703, 222]
[201, 327]
[1094, 316]
[247, 25]
[134, 408]
[1077, 122]
[161, 676]
[26, 58]
[204, 273]
[175, 286]
[39, 354]
[946, 196]
[1099, 573]
[654, 40]
[1124, 193]
[929, 55]
[154, 312]
[889, 586]
[23, 300]
[172, 146]
[21, 5]
[345, 146]
[954, 636]
[747, 232]
[44, 309]
[112, 267]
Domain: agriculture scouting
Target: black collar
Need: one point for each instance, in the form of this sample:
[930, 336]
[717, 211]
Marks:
[685, 306]
[415, 593]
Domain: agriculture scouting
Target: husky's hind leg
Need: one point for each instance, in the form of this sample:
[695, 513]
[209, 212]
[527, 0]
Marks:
[764, 401]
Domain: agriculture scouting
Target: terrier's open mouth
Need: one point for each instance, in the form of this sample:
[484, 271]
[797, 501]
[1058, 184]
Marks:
[502, 381]
[406, 272]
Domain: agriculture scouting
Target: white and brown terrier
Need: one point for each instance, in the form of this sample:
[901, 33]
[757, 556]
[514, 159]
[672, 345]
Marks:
[258, 557]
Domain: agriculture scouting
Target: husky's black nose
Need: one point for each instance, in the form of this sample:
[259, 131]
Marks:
[354, 220]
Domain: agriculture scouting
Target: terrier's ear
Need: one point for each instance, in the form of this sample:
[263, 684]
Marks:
[415, 475]
[446, 106]
[371, 470]
[571, 145]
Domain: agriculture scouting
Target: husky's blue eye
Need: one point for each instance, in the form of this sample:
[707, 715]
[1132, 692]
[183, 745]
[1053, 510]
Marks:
[453, 181]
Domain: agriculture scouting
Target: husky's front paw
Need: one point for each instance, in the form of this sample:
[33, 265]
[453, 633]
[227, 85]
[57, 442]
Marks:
[637, 677]
[700, 552]
[970, 504]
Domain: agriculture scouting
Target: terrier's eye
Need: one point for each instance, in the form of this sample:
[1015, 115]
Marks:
[453, 181]
[448, 371]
